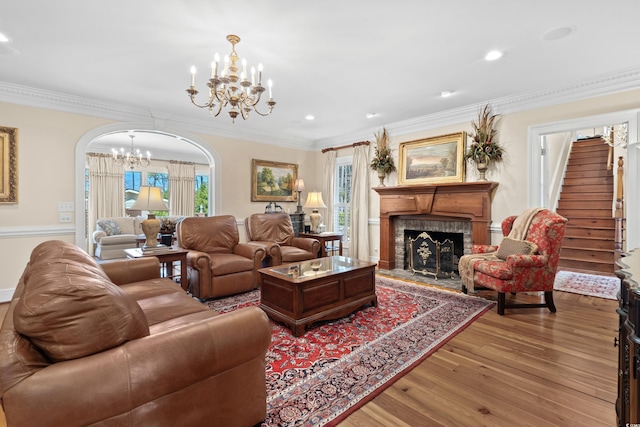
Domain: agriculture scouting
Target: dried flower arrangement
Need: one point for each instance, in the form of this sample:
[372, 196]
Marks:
[485, 147]
[382, 160]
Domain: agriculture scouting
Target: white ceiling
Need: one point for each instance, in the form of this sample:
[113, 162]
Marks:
[337, 60]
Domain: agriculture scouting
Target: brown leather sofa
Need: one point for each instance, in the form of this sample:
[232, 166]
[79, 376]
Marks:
[274, 232]
[218, 265]
[115, 344]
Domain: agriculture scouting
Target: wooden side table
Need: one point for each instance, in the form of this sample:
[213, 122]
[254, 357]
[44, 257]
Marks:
[326, 238]
[167, 259]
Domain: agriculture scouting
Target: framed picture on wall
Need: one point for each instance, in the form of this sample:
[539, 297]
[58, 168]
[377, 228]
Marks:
[8, 165]
[432, 160]
[273, 181]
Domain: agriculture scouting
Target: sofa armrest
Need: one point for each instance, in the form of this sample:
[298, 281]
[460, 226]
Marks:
[483, 249]
[251, 251]
[271, 250]
[148, 369]
[132, 270]
[97, 235]
[307, 243]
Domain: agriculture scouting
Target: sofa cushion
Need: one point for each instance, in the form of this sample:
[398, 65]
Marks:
[110, 226]
[510, 246]
[69, 311]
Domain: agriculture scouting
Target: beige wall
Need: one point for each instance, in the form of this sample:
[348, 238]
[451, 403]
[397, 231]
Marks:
[47, 143]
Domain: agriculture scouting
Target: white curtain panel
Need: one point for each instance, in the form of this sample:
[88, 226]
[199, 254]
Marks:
[359, 245]
[328, 186]
[106, 192]
[182, 188]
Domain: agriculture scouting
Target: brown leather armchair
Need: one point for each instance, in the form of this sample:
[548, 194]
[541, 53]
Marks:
[218, 265]
[274, 232]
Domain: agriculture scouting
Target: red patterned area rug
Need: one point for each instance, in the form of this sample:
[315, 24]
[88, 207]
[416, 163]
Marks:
[587, 284]
[336, 367]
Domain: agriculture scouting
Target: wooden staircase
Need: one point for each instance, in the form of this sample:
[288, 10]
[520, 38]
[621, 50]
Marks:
[586, 201]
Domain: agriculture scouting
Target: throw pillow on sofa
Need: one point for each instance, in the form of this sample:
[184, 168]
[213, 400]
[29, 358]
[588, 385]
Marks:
[111, 227]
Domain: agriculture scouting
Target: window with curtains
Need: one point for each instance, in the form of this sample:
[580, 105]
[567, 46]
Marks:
[202, 193]
[342, 198]
[133, 179]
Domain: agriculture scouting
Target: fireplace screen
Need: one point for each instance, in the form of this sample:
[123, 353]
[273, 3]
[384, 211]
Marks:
[429, 256]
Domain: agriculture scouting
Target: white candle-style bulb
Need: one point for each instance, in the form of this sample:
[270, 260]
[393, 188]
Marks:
[253, 76]
[270, 84]
[193, 75]
[216, 59]
[148, 155]
[260, 73]
[213, 69]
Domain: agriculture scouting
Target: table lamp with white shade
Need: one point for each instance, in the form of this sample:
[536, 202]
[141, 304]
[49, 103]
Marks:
[314, 201]
[298, 187]
[150, 199]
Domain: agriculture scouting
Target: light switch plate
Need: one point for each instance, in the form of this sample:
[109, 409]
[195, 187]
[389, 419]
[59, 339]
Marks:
[66, 217]
[65, 206]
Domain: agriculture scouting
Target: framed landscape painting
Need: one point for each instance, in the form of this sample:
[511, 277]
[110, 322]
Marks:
[272, 181]
[8, 165]
[432, 160]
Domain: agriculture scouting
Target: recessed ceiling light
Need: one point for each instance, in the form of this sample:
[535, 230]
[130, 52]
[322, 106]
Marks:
[557, 33]
[3, 38]
[309, 117]
[446, 93]
[493, 55]
[371, 115]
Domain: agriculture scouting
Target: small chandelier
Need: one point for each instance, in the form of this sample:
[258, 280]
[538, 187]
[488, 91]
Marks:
[229, 88]
[133, 158]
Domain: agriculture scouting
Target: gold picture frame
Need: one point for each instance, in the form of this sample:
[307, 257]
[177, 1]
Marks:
[273, 181]
[438, 159]
[8, 165]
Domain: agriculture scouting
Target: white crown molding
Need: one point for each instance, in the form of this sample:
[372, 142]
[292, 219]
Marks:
[605, 84]
[613, 82]
[39, 98]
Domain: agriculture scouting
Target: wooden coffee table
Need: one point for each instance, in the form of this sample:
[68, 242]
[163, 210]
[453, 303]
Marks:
[300, 294]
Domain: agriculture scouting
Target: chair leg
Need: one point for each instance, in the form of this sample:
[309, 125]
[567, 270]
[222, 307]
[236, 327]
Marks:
[548, 298]
[464, 289]
[501, 303]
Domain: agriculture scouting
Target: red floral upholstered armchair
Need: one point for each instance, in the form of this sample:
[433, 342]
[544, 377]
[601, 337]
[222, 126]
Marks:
[527, 265]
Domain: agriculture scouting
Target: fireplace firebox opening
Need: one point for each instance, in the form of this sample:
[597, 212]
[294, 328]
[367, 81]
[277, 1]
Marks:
[433, 253]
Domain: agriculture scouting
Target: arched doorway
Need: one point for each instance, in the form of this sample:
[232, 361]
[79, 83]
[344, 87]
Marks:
[185, 146]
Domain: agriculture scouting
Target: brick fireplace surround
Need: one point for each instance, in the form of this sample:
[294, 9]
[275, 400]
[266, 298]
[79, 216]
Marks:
[443, 202]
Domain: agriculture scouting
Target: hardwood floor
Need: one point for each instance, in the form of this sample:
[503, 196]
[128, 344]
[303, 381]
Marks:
[529, 367]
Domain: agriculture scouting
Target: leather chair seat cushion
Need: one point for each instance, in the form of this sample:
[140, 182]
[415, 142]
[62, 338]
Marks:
[496, 269]
[68, 312]
[293, 254]
[223, 264]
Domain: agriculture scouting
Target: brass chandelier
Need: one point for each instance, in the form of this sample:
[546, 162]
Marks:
[231, 88]
[133, 158]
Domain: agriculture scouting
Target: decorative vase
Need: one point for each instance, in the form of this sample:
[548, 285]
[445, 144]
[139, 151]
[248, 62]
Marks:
[482, 170]
[381, 174]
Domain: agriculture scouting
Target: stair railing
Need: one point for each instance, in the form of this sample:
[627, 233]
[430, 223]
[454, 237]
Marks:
[619, 212]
